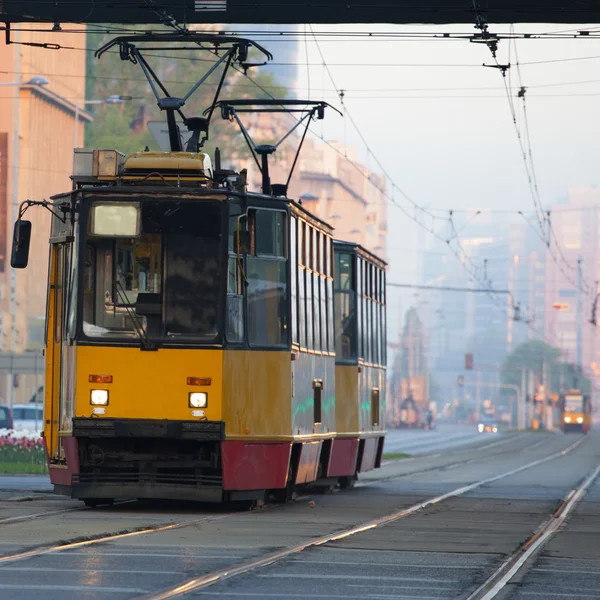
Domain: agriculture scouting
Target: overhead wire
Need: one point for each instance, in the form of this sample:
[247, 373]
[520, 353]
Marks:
[465, 256]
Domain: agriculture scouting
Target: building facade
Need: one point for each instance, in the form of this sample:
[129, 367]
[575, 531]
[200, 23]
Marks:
[573, 272]
[344, 193]
[40, 90]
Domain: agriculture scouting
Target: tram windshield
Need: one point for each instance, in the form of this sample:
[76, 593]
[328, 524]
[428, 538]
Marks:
[162, 283]
[574, 404]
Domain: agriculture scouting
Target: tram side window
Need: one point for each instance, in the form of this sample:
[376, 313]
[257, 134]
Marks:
[330, 299]
[316, 291]
[302, 283]
[309, 290]
[359, 307]
[323, 284]
[89, 276]
[234, 325]
[294, 275]
[345, 308]
[267, 282]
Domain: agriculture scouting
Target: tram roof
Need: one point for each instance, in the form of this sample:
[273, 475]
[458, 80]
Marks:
[361, 251]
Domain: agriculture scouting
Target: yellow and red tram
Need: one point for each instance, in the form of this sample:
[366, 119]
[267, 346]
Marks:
[191, 347]
[575, 411]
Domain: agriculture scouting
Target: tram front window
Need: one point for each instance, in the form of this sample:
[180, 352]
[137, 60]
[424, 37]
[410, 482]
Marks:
[174, 264]
[574, 404]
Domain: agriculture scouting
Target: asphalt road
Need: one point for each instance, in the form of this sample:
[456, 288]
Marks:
[445, 550]
[443, 437]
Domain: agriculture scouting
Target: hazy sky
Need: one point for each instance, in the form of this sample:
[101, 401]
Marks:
[445, 133]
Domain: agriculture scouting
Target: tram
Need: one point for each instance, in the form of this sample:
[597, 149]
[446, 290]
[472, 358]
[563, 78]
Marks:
[194, 349]
[575, 411]
[360, 329]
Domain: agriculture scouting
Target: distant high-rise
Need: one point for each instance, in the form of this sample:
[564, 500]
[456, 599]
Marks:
[570, 289]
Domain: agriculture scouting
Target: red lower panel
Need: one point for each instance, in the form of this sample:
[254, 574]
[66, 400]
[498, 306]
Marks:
[369, 454]
[309, 462]
[61, 474]
[255, 466]
[342, 460]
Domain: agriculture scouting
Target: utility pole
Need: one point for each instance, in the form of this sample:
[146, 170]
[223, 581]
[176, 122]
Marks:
[579, 312]
[478, 395]
[521, 420]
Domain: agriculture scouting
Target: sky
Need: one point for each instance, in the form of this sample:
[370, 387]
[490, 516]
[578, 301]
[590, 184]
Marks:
[445, 134]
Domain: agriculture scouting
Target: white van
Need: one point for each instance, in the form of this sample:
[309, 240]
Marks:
[28, 418]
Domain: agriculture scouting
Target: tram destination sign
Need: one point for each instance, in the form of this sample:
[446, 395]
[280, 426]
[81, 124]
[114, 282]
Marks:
[299, 11]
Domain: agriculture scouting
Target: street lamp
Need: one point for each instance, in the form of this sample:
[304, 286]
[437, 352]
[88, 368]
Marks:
[37, 80]
[114, 99]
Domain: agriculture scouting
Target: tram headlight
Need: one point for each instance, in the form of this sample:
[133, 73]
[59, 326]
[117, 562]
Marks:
[198, 399]
[99, 397]
[580, 419]
[567, 419]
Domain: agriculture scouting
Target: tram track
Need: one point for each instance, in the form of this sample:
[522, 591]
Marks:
[265, 560]
[249, 565]
[451, 465]
[52, 513]
[495, 583]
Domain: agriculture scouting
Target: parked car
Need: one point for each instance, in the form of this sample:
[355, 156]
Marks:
[28, 417]
[6, 418]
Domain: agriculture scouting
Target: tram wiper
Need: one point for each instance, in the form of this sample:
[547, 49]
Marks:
[138, 325]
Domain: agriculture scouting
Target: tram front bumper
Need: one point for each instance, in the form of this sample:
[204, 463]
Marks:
[147, 458]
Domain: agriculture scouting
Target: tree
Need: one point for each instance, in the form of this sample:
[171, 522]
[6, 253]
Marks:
[535, 355]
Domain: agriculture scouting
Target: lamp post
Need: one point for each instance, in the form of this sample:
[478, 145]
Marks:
[114, 99]
[34, 81]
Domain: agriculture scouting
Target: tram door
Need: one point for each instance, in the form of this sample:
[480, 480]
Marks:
[57, 349]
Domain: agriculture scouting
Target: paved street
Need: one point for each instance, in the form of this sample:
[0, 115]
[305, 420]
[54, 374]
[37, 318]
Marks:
[444, 436]
[445, 550]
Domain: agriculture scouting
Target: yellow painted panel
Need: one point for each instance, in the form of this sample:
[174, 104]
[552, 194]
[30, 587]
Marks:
[257, 388]
[149, 385]
[346, 399]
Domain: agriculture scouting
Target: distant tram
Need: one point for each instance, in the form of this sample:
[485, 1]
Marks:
[204, 342]
[575, 411]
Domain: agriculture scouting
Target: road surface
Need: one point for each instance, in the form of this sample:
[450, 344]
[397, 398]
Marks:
[430, 527]
[443, 437]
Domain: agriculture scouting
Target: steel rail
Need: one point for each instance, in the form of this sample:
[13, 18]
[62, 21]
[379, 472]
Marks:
[61, 547]
[50, 513]
[451, 465]
[268, 559]
[503, 575]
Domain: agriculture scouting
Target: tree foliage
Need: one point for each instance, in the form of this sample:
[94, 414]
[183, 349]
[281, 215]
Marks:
[537, 355]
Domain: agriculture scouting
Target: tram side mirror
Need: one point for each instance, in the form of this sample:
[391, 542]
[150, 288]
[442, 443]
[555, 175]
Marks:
[19, 256]
[241, 240]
